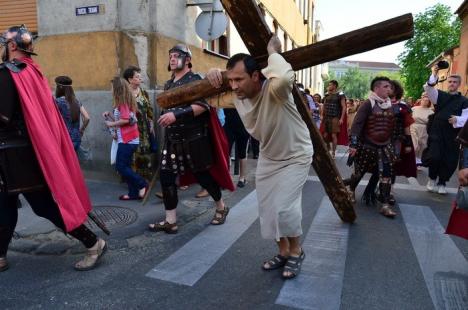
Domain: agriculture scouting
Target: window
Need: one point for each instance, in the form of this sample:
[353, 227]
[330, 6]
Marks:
[218, 46]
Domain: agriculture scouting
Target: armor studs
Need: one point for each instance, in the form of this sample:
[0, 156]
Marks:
[173, 156]
[165, 152]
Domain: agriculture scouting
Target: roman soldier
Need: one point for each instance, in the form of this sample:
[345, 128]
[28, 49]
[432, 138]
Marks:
[371, 141]
[195, 147]
[37, 158]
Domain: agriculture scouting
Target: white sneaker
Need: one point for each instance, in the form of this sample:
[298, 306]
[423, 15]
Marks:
[442, 190]
[430, 185]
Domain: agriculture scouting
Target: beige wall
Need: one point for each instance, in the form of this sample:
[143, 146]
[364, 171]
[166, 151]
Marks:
[289, 17]
[92, 59]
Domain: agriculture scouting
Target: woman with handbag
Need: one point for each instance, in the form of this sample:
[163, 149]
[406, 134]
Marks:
[144, 155]
[124, 122]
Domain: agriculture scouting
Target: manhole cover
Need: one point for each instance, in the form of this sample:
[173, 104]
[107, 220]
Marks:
[113, 216]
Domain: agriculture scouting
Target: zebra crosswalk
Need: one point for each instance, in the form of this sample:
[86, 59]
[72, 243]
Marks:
[321, 283]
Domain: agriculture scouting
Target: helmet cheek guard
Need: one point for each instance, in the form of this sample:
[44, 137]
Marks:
[183, 52]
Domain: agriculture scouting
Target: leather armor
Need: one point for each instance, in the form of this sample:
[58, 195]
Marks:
[332, 105]
[380, 126]
[188, 144]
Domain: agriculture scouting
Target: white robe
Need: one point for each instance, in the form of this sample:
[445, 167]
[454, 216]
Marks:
[285, 150]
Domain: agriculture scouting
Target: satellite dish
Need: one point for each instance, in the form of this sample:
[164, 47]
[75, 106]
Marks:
[211, 23]
[210, 26]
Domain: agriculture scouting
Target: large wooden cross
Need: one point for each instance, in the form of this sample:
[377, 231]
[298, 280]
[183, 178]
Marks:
[255, 33]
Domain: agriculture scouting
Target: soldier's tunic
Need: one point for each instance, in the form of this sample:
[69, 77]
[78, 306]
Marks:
[285, 150]
[187, 143]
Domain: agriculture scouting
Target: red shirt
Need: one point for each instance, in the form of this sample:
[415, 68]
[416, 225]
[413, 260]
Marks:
[129, 132]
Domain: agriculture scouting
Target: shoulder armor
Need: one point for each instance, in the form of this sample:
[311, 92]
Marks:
[14, 65]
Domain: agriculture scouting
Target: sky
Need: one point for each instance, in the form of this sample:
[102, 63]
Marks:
[340, 16]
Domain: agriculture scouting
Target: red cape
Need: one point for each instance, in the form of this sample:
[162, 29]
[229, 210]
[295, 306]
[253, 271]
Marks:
[220, 168]
[342, 135]
[458, 222]
[52, 145]
[406, 166]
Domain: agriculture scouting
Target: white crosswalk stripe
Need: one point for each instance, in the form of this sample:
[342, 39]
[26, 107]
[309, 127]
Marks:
[413, 186]
[444, 267]
[320, 282]
[187, 265]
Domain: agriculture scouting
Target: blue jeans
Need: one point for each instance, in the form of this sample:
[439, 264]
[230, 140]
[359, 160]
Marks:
[123, 165]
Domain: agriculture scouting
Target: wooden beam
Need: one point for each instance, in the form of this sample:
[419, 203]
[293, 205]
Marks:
[354, 42]
[255, 33]
[358, 41]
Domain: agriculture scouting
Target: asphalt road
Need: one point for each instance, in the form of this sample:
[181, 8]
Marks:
[375, 263]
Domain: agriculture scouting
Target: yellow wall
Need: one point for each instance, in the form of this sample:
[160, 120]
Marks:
[288, 16]
[92, 59]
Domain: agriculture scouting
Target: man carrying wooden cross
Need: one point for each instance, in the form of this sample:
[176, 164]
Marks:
[266, 107]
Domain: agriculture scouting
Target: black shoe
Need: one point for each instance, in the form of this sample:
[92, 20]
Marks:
[241, 183]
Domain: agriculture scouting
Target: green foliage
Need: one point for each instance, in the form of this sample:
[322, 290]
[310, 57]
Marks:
[435, 31]
[356, 84]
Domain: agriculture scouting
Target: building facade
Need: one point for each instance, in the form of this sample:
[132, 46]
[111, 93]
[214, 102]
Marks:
[92, 41]
[340, 67]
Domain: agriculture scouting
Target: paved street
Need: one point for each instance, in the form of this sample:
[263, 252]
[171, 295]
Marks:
[375, 263]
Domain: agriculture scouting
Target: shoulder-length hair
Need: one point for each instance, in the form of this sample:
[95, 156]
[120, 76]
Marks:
[64, 89]
[122, 94]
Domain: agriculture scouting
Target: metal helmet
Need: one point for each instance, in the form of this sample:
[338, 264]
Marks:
[184, 52]
[181, 48]
[23, 39]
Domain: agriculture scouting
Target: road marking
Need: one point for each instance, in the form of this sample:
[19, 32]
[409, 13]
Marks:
[414, 182]
[408, 187]
[320, 282]
[444, 267]
[188, 264]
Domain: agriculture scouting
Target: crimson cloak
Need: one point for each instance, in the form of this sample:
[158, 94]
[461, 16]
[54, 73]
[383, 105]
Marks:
[52, 145]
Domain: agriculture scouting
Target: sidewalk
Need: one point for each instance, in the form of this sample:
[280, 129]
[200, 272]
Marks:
[125, 219]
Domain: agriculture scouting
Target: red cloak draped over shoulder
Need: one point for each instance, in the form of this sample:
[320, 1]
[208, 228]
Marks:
[406, 166]
[220, 168]
[52, 145]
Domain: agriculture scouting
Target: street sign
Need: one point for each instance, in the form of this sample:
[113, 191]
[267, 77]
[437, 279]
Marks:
[87, 10]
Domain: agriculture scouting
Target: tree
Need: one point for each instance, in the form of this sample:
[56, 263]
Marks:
[435, 31]
[355, 83]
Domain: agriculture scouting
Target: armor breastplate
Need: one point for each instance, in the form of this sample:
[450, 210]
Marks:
[188, 130]
[380, 126]
[332, 105]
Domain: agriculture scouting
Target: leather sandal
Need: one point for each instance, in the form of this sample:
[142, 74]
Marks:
[387, 211]
[92, 257]
[222, 219]
[167, 227]
[293, 266]
[126, 197]
[3, 264]
[276, 262]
